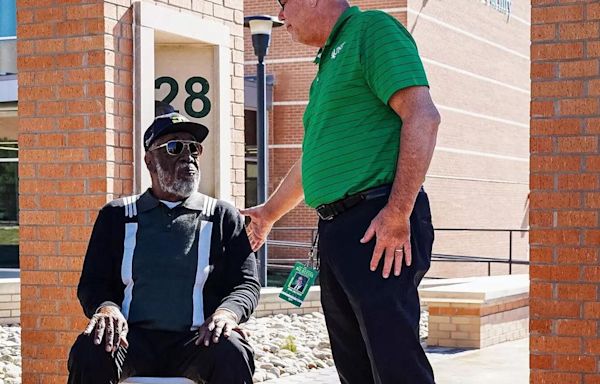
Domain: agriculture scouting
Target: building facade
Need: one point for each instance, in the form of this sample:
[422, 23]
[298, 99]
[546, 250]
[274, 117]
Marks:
[476, 55]
[76, 134]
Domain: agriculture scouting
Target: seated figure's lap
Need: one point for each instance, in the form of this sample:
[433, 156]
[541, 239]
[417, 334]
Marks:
[163, 357]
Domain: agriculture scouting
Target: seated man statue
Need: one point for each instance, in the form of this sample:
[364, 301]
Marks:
[168, 276]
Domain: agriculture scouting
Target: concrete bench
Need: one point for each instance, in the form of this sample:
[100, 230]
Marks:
[477, 312]
[158, 380]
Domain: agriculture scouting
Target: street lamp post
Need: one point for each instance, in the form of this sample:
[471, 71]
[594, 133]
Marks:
[260, 28]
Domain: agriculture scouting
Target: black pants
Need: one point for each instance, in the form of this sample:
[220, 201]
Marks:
[373, 322]
[163, 354]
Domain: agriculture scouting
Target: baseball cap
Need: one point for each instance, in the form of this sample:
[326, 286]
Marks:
[170, 123]
[162, 108]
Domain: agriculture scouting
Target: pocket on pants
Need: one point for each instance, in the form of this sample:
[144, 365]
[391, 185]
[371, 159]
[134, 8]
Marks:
[423, 236]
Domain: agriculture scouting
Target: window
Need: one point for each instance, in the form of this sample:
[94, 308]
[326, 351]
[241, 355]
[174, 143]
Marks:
[251, 162]
[501, 5]
[8, 37]
[9, 204]
[9, 182]
[251, 157]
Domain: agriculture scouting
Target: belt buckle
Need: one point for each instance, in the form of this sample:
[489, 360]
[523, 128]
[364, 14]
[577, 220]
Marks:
[325, 216]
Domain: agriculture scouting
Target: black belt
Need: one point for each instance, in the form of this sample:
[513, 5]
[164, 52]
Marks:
[329, 211]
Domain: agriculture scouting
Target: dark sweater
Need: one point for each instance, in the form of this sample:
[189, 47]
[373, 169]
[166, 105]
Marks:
[175, 267]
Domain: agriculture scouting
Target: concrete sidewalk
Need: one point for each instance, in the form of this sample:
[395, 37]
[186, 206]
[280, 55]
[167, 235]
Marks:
[499, 364]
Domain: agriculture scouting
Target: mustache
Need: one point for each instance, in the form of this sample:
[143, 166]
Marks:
[186, 164]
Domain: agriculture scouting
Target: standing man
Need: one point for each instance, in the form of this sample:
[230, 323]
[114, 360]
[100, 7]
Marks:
[369, 133]
[168, 276]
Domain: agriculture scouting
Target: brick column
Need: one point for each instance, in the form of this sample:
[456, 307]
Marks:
[75, 139]
[75, 62]
[565, 202]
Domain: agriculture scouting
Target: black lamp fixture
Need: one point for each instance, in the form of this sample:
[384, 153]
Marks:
[260, 28]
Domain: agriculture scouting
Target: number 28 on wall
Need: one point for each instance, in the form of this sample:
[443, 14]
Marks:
[192, 95]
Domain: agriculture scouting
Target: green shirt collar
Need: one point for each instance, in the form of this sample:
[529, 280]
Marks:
[147, 202]
[347, 14]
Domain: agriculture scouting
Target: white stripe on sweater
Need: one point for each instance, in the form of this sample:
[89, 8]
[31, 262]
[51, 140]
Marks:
[202, 270]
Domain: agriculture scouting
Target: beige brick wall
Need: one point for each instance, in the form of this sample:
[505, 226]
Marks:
[479, 176]
[271, 304]
[478, 66]
[10, 297]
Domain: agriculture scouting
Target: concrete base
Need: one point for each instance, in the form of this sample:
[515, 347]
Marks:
[478, 312]
[271, 304]
[10, 296]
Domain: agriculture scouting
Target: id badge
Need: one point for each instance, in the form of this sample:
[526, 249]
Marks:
[298, 283]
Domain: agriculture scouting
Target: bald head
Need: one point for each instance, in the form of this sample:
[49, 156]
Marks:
[310, 21]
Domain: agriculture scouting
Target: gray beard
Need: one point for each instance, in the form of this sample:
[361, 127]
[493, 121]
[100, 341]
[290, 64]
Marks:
[175, 186]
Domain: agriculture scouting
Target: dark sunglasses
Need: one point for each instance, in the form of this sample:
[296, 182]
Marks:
[175, 147]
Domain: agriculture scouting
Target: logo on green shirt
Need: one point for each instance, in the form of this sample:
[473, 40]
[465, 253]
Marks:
[337, 50]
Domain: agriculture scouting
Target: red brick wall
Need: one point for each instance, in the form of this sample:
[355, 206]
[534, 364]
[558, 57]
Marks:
[565, 203]
[71, 162]
[75, 62]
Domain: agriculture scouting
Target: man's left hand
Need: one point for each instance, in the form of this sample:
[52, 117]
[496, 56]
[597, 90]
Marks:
[221, 323]
[392, 238]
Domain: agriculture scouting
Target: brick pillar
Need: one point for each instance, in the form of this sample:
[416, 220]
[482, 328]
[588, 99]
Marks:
[565, 202]
[75, 65]
[75, 138]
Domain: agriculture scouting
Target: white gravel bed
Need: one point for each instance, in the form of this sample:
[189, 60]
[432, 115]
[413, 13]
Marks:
[284, 345]
[10, 354]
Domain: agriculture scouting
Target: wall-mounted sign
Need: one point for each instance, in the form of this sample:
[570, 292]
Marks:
[192, 92]
[184, 74]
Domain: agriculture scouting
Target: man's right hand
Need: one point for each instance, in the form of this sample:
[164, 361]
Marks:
[260, 225]
[110, 325]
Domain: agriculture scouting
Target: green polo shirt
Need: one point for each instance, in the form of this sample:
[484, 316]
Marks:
[351, 135]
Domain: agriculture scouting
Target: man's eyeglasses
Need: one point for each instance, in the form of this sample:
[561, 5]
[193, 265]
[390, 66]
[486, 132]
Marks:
[281, 3]
[175, 147]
